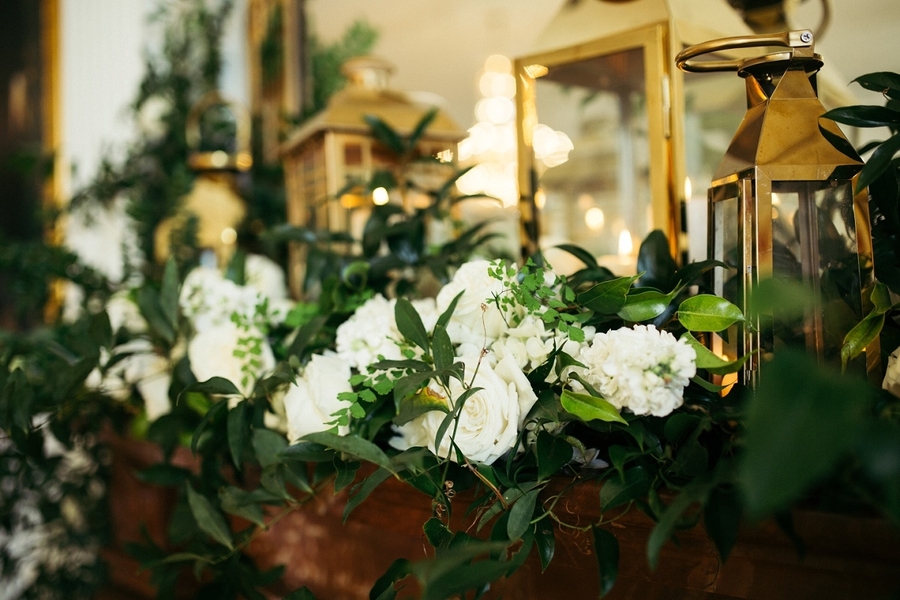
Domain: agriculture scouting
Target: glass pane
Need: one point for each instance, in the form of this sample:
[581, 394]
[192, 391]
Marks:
[714, 105]
[814, 241]
[600, 197]
[727, 283]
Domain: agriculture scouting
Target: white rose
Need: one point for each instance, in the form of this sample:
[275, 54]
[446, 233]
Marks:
[476, 318]
[310, 404]
[124, 312]
[240, 355]
[891, 381]
[490, 420]
[265, 276]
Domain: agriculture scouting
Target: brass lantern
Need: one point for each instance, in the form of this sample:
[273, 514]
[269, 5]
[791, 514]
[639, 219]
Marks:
[336, 147]
[782, 204]
[213, 199]
[603, 74]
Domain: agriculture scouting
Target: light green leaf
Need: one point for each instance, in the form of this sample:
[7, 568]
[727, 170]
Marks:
[646, 305]
[706, 312]
[354, 446]
[708, 360]
[587, 408]
[423, 401]
[208, 518]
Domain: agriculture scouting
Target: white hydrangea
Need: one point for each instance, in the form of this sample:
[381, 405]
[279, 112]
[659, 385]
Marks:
[640, 368]
[208, 300]
[265, 276]
[372, 331]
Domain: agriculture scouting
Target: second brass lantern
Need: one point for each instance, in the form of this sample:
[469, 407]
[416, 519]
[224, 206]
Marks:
[783, 205]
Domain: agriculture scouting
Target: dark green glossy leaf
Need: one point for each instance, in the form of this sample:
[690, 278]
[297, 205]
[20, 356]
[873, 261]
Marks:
[148, 303]
[607, 297]
[864, 116]
[217, 409]
[802, 420]
[879, 161]
[553, 453]
[587, 408]
[168, 294]
[464, 578]
[708, 313]
[306, 452]
[208, 518]
[606, 548]
[354, 446]
[438, 535]
[237, 502]
[545, 541]
[443, 349]
[410, 325]
[580, 253]
[268, 446]
[689, 273]
[722, 517]
[616, 492]
[655, 261]
[384, 586]
[305, 335]
[882, 82]
[238, 427]
[444, 319]
[213, 385]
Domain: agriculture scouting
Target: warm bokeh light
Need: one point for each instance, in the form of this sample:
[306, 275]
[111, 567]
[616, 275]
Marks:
[594, 218]
[380, 196]
[626, 244]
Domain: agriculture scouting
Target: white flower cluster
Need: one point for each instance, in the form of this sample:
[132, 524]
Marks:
[640, 368]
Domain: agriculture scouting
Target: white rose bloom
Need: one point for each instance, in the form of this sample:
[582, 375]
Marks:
[476, 319]
[265, 276]
[892, 374]
[641, 369]
[124, 312]
[310, 404]
[227, 350]
[368, 333]
[490, 420]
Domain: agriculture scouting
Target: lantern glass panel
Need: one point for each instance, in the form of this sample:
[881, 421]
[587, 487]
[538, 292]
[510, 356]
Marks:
[727, 248]
[603, 189]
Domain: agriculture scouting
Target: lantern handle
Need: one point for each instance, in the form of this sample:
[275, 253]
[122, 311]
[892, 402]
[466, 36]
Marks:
[800, 41]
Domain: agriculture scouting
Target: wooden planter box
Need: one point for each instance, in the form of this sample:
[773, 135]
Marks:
[847, 557]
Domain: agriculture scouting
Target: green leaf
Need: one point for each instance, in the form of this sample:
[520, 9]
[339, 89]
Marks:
[587, 408]
[858, 338]
[168, 294]
[647, 305]
[706, 312]
[425, 400]
[553, 453]
[444, 319]
[884, 82]
[633, 486]
[409, 323]
[306, 452]
[655, 261]
[363, 489]
[213, 385]
[580, 253]
[782, 297]
[300, 594]
[148, 303]
[268, 446]
[708, 360]
[305, 335]
[545, 541]
[879, 161]
[385, 134]
[520, 515]
[238, 431]
[164, 474]
[384, 586]
[238, 502]
[354, 446]
[217, 408]
[607, 297]
[802, 420]
[606, 547]
[466, 577]
[438, 535]
[671, 516]
[420, 128]
[208, 519]
[688, 273]
[864, 116]
[443, 350]
[722, 517]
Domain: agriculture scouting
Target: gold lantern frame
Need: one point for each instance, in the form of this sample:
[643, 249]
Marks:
[781, 146]
[592, 29]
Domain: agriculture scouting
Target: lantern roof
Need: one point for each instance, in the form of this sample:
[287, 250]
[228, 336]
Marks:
[693, 21]
[367, 93]
[781, 132]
